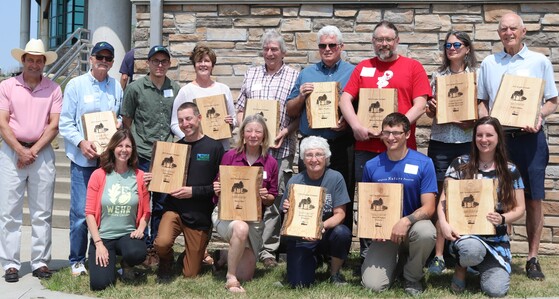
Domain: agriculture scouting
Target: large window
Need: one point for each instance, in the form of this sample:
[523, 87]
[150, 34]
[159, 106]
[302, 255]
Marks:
[65, 17]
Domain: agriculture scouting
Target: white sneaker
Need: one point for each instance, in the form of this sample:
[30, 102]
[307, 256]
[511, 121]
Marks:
[78, 269]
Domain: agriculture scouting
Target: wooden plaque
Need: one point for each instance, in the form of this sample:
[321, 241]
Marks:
[374, 105]
[322, 105]
[304, 217]
[269, 109]
[98, 128]
[380, 208]
[169, 166]
[518, 101]
[467, 205]
[456, 98]
[214, 111]
[240, 196]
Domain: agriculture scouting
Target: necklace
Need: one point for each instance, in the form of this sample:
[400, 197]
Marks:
[486, 165]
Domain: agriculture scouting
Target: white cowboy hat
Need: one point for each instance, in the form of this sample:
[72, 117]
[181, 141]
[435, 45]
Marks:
[35, 47]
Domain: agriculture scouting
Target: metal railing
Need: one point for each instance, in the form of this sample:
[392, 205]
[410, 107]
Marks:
[73, 57]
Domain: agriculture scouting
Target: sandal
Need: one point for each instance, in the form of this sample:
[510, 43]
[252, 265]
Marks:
[457, 286]
[234, 287]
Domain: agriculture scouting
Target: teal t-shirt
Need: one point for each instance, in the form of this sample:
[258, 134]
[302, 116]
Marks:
[119, 205]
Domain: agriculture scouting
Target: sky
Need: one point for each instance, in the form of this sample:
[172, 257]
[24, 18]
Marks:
[10, 24]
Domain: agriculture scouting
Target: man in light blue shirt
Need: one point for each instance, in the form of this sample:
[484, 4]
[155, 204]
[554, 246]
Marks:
[527, 147]
[94, 91]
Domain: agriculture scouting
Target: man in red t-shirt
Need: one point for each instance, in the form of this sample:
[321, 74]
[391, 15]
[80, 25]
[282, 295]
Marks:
[387, 70]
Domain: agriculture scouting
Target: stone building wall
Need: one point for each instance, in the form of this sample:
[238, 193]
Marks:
[234, 31]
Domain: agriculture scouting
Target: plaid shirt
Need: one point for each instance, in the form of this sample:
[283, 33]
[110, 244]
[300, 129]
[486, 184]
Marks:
[260, 85]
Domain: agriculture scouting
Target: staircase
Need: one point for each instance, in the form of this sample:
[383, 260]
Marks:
[73, 57]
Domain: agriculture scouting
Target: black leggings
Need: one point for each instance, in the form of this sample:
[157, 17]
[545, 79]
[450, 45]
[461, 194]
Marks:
[133, 252]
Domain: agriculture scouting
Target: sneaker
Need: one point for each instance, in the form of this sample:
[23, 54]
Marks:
[152, 259]
[338, 279]
[78, 269]
[413, 288]
[534, 270]
[269, 263]
[436, 266]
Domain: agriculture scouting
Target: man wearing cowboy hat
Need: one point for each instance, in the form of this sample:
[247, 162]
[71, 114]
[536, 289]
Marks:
[94, 91]
[30, 107]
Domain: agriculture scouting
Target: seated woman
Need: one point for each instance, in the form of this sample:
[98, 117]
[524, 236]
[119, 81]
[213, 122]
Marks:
[489, 254]
[245, 238]
[302, 254]
[117, 212]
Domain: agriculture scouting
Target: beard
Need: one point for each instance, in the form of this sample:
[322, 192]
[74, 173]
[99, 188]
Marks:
[385, 53]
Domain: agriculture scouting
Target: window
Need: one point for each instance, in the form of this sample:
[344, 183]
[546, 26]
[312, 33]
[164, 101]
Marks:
[64, 18]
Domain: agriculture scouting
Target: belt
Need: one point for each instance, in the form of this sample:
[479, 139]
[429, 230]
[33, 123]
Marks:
[516, 133]
[27, 144]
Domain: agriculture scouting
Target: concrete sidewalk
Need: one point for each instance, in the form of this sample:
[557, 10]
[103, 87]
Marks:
[29, 286]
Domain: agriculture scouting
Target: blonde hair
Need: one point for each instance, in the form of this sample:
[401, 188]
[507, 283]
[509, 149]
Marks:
[257, 118]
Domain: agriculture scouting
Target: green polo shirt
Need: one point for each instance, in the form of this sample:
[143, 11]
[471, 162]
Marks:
[150, 111]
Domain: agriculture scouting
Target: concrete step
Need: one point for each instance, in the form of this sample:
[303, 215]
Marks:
[60, 213]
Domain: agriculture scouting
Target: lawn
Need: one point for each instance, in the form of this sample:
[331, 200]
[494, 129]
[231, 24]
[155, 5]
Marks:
[271, 284]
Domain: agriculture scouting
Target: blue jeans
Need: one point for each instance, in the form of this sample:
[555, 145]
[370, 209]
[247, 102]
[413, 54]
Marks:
[79, 177]
[157, 200]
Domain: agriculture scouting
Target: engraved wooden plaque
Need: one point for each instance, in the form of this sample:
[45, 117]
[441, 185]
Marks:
[214, 111]
[467, 205]
[304, 217]
[240, 196]
[98, 128]
[269, 109]
[322, 105]
[169, 166]
[456, 98]
[518, 101]
[380, 208]
[374, 105]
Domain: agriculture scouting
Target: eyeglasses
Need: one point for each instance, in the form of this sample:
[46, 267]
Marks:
[317, 155]
[103, 57]
[164, 62]
[331, 46]
[456, 45]
[396, 134]
[381, 40]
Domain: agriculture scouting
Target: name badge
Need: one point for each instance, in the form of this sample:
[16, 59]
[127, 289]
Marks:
[368, 72]
[88, 98]
[264, 175]
[168, 93]
[257, 87]
[411, 169]
[523, 73]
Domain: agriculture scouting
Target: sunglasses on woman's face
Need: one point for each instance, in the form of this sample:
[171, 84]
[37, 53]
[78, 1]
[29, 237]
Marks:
[456, 45]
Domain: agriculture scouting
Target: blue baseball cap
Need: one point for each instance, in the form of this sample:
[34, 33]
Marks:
[100, 46]
[156, 49]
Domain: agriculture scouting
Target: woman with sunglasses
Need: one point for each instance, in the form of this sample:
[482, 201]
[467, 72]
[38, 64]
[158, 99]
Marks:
[489, 254]
[450, 140]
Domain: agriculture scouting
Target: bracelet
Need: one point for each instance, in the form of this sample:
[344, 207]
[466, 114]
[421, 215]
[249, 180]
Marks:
[502, 219]
[97, 241]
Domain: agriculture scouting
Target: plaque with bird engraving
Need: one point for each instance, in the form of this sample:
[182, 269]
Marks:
[518, 101]
[374, 105]
[214, 111]
[467, 205]
[269, 110]
[304, 217]
[169, 166]
[322, 105]
[98, 128]
[380, 208]
[456, 98]
[239, 198]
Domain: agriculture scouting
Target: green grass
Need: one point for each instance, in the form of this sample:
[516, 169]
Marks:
[264, 285]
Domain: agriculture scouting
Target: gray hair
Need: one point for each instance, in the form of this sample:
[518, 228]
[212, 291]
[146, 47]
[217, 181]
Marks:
[273, 36]
[315, 142]
[329, 31]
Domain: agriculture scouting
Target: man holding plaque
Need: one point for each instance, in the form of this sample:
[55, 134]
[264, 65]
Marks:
[94, 91]
[413, 236]
[273, 81]
[330, 68]
[146, 109]
[527, 147]
[188, 210]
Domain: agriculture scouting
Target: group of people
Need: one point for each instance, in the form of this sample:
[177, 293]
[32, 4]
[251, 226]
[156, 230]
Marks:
[109, 197]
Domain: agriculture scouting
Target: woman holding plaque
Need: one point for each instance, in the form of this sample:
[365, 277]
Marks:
[117, 212]
[449, 140]
[489, 254]
[304, 254]
[203, 58]
[245, 238]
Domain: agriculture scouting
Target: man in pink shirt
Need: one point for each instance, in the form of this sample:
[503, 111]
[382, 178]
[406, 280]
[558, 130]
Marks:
[30, 106]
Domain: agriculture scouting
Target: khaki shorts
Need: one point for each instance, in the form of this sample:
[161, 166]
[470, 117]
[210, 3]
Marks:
[225, 229]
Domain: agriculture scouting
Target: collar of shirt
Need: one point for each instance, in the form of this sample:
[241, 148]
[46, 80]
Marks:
[522, 53]
[241, 157]
[149, 83]
[265, 70]
[323, 68]
[21, 82]
[94, 80]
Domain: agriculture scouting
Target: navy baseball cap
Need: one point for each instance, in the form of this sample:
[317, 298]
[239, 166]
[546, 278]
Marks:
[157, 49]
[100, 46]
